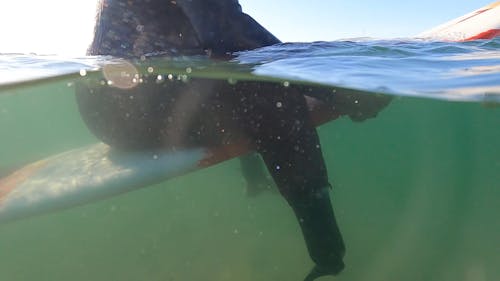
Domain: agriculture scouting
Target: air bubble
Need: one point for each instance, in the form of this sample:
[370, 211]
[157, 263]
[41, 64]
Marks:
[286, 84]
[279, 104]
[83, 72]
[151, 69]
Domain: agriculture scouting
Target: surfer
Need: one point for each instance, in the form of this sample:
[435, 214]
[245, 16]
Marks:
[205, 112]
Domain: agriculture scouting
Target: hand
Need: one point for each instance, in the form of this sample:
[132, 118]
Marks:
[360, 106]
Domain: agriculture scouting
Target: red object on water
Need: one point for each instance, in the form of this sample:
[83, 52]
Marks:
[490, 34]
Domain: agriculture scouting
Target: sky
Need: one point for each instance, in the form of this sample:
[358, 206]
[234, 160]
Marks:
[65, 27]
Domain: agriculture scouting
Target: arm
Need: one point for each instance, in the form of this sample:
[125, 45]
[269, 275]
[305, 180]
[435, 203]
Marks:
[222, 27]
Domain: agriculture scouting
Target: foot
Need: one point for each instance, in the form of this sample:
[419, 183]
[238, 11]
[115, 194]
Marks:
[318, 271]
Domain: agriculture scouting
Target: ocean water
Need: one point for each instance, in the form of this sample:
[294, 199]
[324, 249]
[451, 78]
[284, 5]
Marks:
[416, 189]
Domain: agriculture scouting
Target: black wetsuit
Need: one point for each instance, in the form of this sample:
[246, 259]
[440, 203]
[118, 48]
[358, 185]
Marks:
[208, 112]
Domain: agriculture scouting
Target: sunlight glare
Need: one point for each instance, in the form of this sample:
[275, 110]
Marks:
[58, 27]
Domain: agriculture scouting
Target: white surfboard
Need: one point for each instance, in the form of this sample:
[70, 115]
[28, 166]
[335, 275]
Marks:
[483, 23]
[97, 172]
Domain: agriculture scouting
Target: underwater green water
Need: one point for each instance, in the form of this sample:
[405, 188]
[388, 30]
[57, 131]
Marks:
[416, 193]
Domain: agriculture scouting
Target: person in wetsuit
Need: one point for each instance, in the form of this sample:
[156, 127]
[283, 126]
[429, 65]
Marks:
[204, 112]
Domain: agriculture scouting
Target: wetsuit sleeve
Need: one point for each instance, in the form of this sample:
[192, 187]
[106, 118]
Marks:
[222, 27]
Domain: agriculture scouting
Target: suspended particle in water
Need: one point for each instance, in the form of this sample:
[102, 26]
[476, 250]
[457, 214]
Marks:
[189, 70]
[279, 104]
[110, 83]
[170, 77]
[286, 84]
[356, 101]
[232, 81]
[159, 78]
[278, 167]
[155, 156]
[83, 72]
[236, 231]
[150, 69]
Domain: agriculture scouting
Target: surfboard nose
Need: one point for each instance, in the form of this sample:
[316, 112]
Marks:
[483, 23]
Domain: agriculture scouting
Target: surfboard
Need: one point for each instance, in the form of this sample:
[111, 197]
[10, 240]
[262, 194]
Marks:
[483, 23]
[97, 172]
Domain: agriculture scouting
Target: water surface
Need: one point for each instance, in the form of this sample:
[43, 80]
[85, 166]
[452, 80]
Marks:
[416, 190]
